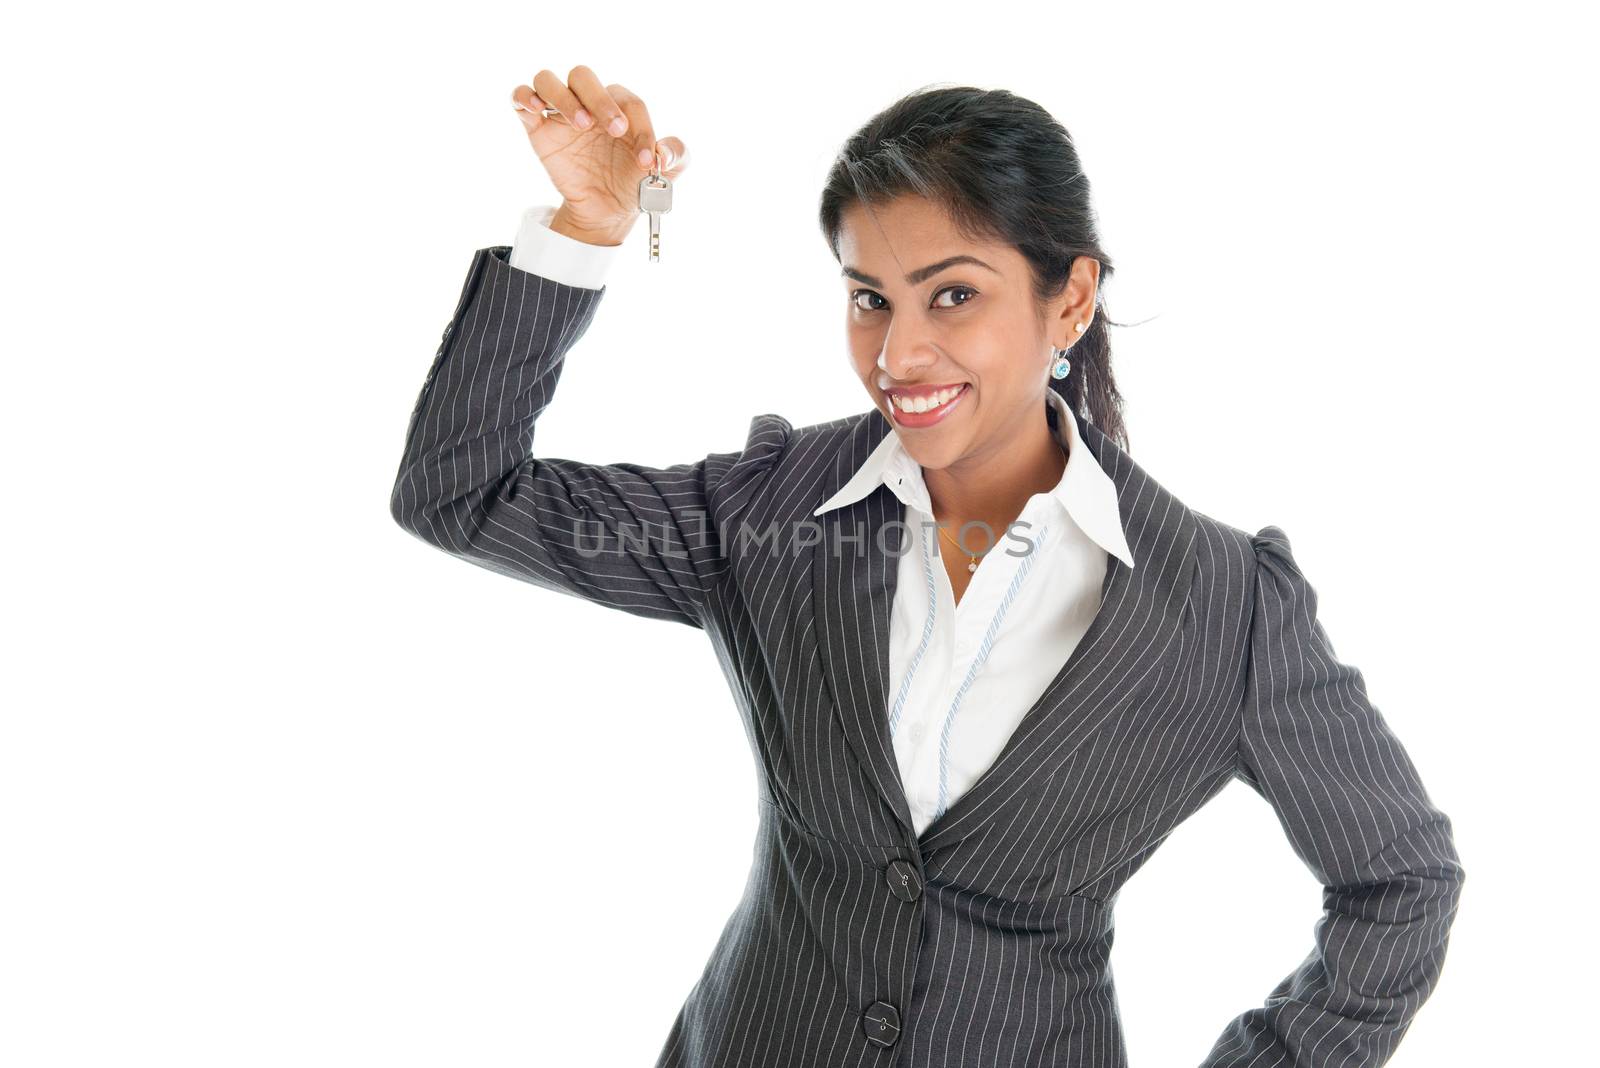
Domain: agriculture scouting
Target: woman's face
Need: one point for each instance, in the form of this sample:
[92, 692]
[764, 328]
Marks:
[929, 313]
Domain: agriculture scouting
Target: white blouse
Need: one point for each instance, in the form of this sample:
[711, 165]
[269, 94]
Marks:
[961, 675]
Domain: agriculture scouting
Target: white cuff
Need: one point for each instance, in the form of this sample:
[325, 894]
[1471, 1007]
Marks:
[540, 250]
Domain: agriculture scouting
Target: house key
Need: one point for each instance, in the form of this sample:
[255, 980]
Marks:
[655, 200]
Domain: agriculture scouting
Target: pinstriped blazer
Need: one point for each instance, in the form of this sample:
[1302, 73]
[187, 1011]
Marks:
[985, 941]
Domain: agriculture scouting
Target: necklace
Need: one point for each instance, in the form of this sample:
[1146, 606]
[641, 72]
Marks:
[972, 566]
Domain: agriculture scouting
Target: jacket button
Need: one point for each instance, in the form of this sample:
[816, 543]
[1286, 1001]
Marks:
[882, 1023]
[904, 880]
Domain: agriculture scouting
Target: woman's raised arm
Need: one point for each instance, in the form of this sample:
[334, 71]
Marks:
[643, 540]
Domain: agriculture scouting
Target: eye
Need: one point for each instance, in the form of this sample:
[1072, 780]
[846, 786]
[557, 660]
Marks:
[855, 297]
[956, 289]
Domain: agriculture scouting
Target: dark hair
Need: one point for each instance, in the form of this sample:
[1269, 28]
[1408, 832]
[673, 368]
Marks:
[1005, 171]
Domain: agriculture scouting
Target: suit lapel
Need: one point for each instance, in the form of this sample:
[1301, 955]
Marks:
[853, 594]
[855, 569]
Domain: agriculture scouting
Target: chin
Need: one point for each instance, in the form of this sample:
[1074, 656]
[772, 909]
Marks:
[933, 455]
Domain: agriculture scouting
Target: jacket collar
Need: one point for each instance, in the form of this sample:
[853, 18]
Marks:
[1108, 678]
[1085, 492]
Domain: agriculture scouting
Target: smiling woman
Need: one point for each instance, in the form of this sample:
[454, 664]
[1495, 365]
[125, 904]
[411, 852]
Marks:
[970, 306]
[963, 756]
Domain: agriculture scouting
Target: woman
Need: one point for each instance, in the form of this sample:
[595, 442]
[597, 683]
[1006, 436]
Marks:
[960, 765]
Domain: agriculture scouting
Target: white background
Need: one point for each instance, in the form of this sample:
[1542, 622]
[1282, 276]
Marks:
[279, 784]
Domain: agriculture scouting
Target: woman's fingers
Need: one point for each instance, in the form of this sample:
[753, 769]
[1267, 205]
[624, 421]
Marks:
[641, 133]
[595, 98]
[530, 109]
[614, 110]
[554, 92]
[675, 157]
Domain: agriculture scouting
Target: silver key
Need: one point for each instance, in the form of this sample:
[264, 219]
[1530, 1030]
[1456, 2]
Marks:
[655, 200]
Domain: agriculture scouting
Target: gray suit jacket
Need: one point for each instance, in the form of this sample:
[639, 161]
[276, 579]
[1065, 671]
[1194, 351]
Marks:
[984, 942]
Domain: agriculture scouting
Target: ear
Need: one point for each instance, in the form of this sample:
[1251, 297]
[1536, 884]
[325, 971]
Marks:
[1076, 303]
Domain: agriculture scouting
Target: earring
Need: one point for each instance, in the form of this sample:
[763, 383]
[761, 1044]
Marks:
[1063, 366]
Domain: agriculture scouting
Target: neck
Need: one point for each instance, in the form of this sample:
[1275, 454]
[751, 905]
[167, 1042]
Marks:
[992, 486]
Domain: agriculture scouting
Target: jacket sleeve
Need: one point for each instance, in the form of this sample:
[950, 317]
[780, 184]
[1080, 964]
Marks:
[644, 540]
[1355, 811]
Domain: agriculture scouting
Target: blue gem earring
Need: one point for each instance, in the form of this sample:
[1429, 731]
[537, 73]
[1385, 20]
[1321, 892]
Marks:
[1063, 366]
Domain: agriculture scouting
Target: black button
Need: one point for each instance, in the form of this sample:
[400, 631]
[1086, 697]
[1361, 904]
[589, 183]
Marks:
[904, 880]
[882, 1023]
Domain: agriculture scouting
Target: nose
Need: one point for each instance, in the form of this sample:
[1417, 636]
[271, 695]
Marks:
[905, 358]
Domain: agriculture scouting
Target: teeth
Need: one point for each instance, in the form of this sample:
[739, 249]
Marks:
[923, 404]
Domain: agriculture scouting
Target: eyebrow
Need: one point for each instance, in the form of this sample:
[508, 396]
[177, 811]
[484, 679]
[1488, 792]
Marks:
[921, 274]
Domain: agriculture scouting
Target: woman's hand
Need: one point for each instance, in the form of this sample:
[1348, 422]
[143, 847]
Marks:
[595, 166]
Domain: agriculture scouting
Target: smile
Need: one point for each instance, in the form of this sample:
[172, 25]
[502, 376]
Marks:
[940, 406]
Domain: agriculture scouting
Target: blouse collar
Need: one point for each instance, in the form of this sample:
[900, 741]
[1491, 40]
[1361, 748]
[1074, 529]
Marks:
[1085, 491]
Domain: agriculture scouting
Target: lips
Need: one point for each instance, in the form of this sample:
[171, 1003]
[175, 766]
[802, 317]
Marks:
[932, 415]
[922, 391]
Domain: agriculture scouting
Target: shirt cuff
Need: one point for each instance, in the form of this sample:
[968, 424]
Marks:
[540, 250]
